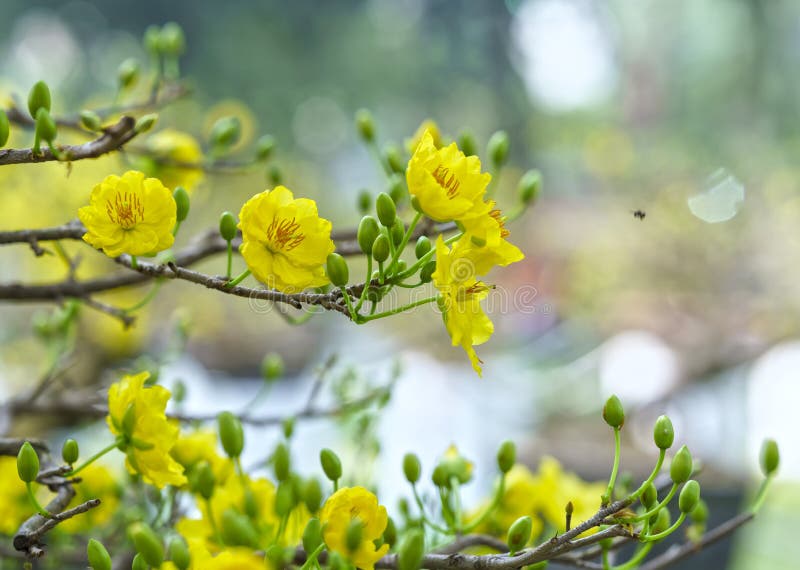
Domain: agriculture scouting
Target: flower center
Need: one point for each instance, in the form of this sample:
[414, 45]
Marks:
[501, 220]
[126, 210]
[283, 234]
[447, 180]
[465, 293]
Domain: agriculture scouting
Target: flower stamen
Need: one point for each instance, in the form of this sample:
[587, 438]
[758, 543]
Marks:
[283, 234]
[447, 180]
[126, 210]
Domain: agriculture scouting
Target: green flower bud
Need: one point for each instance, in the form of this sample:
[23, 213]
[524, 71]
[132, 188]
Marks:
[281, 462]
[426, 273]
[275, 175]
[397, 188]
[700, 512]
[227, 226]
[128, 73]
[45, 125]
[179, 553]
[285, 499]
[152, 40]
[147, 543]
[380, 248]
[770, 457]
[367, 232]
[390, 532]
[98, 555]
[272, 367]
[182, 202]
[649, 496]
[364, 201]
[663, 433]
[69, 451]
[393, 157]
[231, 434]
[203, 479]
[519, 534]
[238, 530]
[226, 132]
[466, 142]
[312, 494]
[498, 148]
[331, 464]
[264, 147]
[365, 125]
[613, 414]
[287, 425]
[386, 209]
[423, 247]
[337, 269]
[689, 497]
[662, 522]
[27, 463]
[353, 535]
[529, 186]
[411, 467]
[145, 123]
[398, 231]
[681, 468]
[90, 120]
[38, 98]
[312, 535]
[5, 128]
[172, 42]
[439, 476]
[139, 563]
[179, 391]
[279, 556]
[506, 456]
[411, 551]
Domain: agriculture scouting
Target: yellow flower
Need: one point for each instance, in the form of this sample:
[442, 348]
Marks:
[427, 126]
[15, 506]
[447, 184]
[341, 508]
[201, 445]
[460, 294]
[129, 214]
[136, 413]
[232, 558]
[97, 482]
[284, 241]
[486, 236]
[173, 152]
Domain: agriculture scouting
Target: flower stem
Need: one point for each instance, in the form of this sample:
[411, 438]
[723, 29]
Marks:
[498, 496]
[609, 496]
[653, 475]
[39, 508]
[213, 523]
[147, 298]
[425, 258]
[134, 263]
[666, 533]
[636, 559]
[176, 228]
[93, 458]
[658, 507]
[391, 312]
[312, 557]
[230, 259]
[404, 242]
[367, 281]
[761, 495]
[353, 313]
[241, 277]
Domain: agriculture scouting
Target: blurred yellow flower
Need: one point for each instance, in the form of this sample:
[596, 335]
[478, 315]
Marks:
[201, 445]
[129, 214]
[460, 294]
[97, 482]
[15, 506]
[136, 413]
[231, 558]
[447, 184]
[486, 236]
[430, 126]
[284, 241]
[344, 506]
[176, 159]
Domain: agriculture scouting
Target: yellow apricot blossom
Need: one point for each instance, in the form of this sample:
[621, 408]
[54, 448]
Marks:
[338, 512]
[486, 234]
[284, 241]
[129, 214]
[428, 125]
[136, 414]
[460, 294]
[446, 184]
[176, 157]
[201, 445]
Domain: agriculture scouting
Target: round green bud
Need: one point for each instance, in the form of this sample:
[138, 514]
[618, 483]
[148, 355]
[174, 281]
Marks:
[70, 451]
[182, 202]
[312, 494]
[312, 535]
[264, 147]
[423, 247]
[98, 555]
[128, 73]
[663, 433]
[689, 497]
[172, 42]
[147, 543]
[466, 142]
[139, 563]
[227, 226]
[152, 39]
[272, 367]
[145, 123]
[38, 98]
[411, 467]
[364, 201]
[397, 188]
[380, 248]
[90, 120]
[770, 457]
[498, 148]
[238, 530]
[519, 534]
[285, 498]
[179, 553]
[5, 128]
[226, 132]
[411, 551]
[426, 273]
[529, 186]
[700, 512]
[367, 232]
[281, 462]
[613, 414]
[662, 521]
[365, 125]
[231, 434]
[439, 476]
[354, 534]
[337, 269]
[204, 480]
[287, 426]
[681, 468]
[506, 456]
[649, 496]
[45, 125]
[331, 464]
[398, 231]
[401, 266]
[279, 556]
[274, 174]
[27, 463]
[386, 209]
[394, 158]
[390, 532]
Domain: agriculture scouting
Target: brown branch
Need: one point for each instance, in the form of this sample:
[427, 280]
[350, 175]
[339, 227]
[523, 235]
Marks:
[113, 138]
[28, 536]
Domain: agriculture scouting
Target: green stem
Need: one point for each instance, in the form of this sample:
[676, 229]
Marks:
[498, 496]
[39, 508]
[312, 558]
[336, 485]
[147, 298]
[213, 523]
[636, 559]
[62, 254]
[367, 281]
[606, 563]
[230, 259]
[761, 495]
[241, 277]
[656, 470]
[658, 507]
[404, 242]
[376, 152]
[176, 228]
[93, 458]
[666, 533]
[609, 496]
[426, 258]
[456, 490]
[353, 313]
[134, 263]
[380, 272]
[424, 515]
[391, 312]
